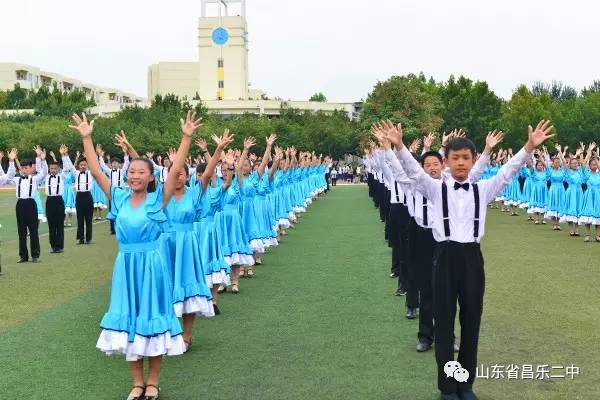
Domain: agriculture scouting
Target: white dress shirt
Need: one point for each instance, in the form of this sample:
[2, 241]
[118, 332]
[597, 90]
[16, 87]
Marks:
[27, 186]
[461, 202]
[7, 176]
[83, 181]
[116, 176]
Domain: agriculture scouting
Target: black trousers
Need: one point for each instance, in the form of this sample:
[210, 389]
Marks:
[409, 273]
[424, 247]
[397, 235]
[457, 275]
[370, 184]
[327, 180]
[384, 202]
[27, 221]
[84, 204]
[334, 182]
[55, 212]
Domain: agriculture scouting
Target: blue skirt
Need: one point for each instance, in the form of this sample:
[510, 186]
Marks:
[590, 209]
[69, 199]
[216, 270]
[555, 200]
[191, 295]
[232, 237]
[572, 204]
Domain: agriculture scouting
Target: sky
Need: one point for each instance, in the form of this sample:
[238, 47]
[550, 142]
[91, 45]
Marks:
[296, 48]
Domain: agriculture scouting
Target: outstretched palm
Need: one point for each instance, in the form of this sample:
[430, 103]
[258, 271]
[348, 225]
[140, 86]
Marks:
[82, 125]
[540, 134]
[190, 124]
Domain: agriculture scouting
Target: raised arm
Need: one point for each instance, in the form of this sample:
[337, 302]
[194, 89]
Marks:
[100, 156]
[40, 164]
[276, 160]
[11, 172]
[222, 142]
[122, 142]
[248, 143]
[188, 127]
[267, 155]
[85, 130]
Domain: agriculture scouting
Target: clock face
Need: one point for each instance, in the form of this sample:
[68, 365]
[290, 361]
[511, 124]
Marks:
[220, 36]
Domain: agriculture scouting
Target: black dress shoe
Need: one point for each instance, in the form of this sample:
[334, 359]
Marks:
[411, 313]
[451, 396]
[400, 292]
[467, 395]
[393, 275]
[423, 347]
[22, 260]
[35, 260]
[59, 251]
[216, 308]
[80, 242]
[52, 251]
[88, 241]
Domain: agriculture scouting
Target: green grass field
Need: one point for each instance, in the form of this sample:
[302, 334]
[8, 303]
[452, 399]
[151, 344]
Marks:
[319, 322]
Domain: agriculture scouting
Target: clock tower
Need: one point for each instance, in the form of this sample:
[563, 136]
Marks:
[223, 50]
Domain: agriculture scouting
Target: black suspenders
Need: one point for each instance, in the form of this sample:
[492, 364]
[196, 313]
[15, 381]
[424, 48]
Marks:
[50, 185]
[425, 222]
[445, 210]
[397, 195]
[86, 182]
[30, 187]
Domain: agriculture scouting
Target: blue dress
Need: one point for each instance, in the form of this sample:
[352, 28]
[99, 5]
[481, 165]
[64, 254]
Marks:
[512, 192]
[40, 206]
[69, 195]
[98, 196]
[556, 193]
[230, 228]
[191, 295]
[573, 195]
[590, 209]
[140, 321]
[538, 192]
[247, 211]
[216, 270]
[527, 185]
[262, 209]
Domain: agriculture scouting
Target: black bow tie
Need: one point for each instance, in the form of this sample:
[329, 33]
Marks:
[461, 185]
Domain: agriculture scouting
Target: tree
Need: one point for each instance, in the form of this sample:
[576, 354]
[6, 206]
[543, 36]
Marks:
[320, 97]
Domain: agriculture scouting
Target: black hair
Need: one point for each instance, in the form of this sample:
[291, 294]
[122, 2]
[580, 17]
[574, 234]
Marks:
[152, 184]
[53, 162]
[116, 159]
[185, 168]
[431, 154]
[200, 168]
[460, 143]
[415, 156]
[27, 162]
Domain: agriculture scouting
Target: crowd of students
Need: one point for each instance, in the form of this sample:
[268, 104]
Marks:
[184, 233]
[434, 207]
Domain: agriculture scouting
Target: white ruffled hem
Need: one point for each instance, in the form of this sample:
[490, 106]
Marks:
[239, 259]
[195, 305]
[100, 205]
[270, 242]
[511, 203]
[299, 209]
[292, 217]
[257, 246]
[217, 278]
[499, 198]
[550, 214]
[589, 221]
[524, 205]
[116, 343]
[569, 218]
[42, 218]
[283, 223]
[70, 211]
[532, 210]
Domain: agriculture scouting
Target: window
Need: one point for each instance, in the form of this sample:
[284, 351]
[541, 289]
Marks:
[221, 84]
[220, 63]
[219, 97]
[21, 75]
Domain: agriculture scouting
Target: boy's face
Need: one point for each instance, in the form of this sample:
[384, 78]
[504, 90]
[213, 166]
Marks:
[82, 166]
[28, 169]
[115, 165]
[53, 169]
[460, 163]
[433, 167]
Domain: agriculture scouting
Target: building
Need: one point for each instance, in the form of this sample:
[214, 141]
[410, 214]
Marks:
[220, 76]
[28, 77]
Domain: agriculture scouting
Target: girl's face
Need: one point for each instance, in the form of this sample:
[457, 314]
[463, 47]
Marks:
[529, 163]
[574, 163]
[594, 164]
[182, 179]
[539, 166]
[556, 162]
[224, 168]
[246, 167]
[139, 176]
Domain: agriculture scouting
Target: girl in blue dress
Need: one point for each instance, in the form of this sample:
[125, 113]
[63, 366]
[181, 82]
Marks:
[230, 228]
[590, 209]
[526, 173]
[191, 294]
[262, 203]
[574, 177]
[140, 321]
[538, 193]
[100, 202]
[556, 193]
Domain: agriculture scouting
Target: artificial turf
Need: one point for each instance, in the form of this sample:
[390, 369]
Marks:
[318, 322]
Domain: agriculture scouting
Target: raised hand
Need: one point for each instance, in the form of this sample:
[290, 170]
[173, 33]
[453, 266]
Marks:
[492, 140]
[249, 142]
[171, 154]
[190, 124]
[271, 139]
[82, 125]
[99, 150]
[201, 143]
[394, 133]
[149, 155]
[12, 154]
[428, 140]
[38, 151]
[53, 155]
[539, 135]
[63, 150]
